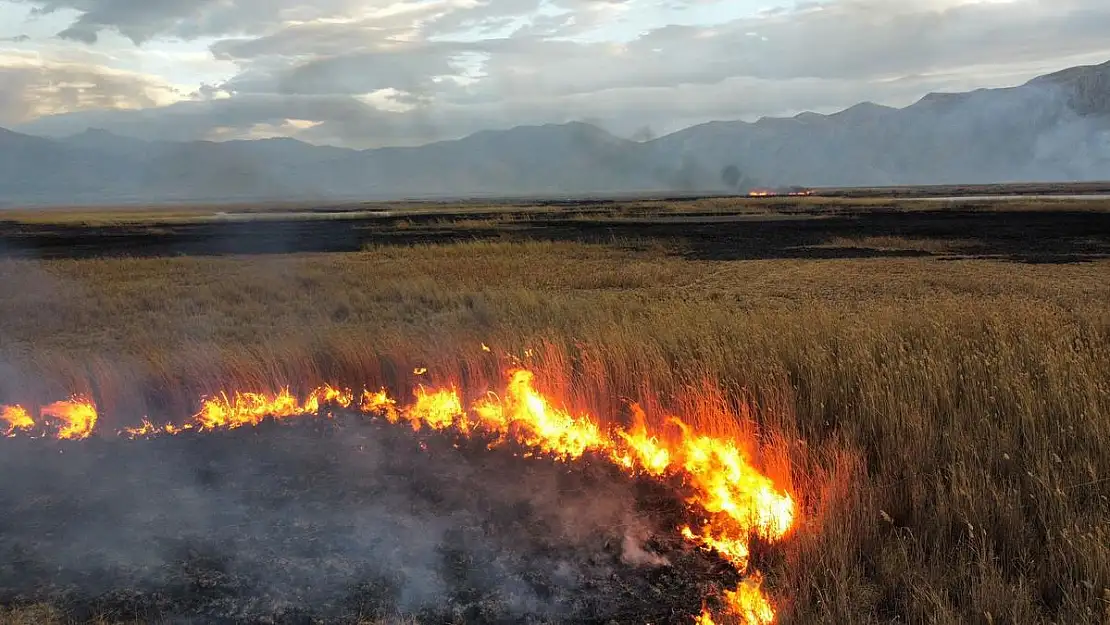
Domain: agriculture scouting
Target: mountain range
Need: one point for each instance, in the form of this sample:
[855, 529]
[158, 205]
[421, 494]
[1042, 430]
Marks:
[1052, 128]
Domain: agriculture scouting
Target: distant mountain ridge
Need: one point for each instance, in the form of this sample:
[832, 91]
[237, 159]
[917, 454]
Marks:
[1053, 128]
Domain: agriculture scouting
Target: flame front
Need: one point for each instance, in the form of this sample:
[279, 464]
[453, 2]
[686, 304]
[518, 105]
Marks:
[525, 413]
[17, 418]
[737, 499]
[77, 416]
[240, 409]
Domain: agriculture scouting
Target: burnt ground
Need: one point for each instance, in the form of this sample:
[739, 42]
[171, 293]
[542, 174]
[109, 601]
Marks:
[337, 520]
[1029, 235]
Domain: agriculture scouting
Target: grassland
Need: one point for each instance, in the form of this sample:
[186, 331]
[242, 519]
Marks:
[944, 416]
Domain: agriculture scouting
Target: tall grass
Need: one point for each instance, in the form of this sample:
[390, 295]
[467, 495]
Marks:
[944, 424]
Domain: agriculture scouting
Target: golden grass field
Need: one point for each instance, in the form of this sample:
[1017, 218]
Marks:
[944, 421]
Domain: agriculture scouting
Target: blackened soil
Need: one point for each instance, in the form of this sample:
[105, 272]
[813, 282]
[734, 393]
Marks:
[1052, 235]
[339, 520]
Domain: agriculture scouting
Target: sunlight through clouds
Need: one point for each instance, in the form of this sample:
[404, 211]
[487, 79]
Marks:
[478, 64]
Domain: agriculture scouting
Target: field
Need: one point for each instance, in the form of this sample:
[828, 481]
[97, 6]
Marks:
[930, 381]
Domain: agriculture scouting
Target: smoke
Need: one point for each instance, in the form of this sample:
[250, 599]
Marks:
[633, 553]
[331, 520]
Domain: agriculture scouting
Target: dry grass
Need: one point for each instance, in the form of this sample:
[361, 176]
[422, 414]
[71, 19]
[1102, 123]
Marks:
[943, 423]
[900, 244]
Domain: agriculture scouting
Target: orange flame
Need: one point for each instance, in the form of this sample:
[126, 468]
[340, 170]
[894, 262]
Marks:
[438, 410]
[536, 423]
[146, 429]
[239, 409]
[379, 402]
[78, 417]
[17, 418]
[738, 500]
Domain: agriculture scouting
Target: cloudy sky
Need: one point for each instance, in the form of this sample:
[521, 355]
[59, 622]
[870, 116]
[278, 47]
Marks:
[366, 73]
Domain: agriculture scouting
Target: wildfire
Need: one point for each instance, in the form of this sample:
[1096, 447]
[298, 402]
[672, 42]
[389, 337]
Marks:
[239, 409]
[737, 499]
[17, 418]
[792, 192]
[75, 418]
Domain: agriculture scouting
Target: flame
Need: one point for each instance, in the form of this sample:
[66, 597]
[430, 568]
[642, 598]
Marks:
[737, 499]
[17, 418]
[748, 602]
[327, 396]
[146, 429]
[78, 417]
[438, 410]
[653, 456]
[774, 193]
[239, 409]
[379, 402]
[536, 423]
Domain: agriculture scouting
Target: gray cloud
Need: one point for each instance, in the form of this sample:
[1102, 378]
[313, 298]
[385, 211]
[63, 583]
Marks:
[405, 68]
[812, 56]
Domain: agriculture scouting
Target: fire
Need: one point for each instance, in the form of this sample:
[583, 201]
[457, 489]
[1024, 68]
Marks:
[78, 417]
[748, 602]
[792, 192]
[536, 423]
[738, 500]
[438, 410]
[17, 418]
[652, 456]
[328, 396]
[239, 409]
[146, 429]
[734, 487]
[379, 402]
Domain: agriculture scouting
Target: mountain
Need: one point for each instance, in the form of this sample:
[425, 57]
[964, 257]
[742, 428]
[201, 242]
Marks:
[1052, 128]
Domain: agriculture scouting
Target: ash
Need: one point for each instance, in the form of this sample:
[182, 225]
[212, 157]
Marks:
[340, 521]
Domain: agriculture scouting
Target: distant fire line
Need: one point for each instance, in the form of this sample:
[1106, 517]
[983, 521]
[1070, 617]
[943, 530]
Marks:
[790, 192]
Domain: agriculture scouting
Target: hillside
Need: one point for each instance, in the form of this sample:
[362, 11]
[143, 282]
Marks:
[1053, 128]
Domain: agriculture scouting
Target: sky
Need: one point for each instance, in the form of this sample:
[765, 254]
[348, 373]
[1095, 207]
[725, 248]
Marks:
[370, 73]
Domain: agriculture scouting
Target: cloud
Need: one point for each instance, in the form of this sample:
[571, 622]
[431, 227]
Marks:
[376, 72]
[32, 87]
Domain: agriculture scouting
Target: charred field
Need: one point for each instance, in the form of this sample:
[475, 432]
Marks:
[929, 382]
[342, 520]
[1039, 229]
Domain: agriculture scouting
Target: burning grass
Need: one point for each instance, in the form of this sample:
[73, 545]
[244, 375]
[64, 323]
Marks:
[340, 519]
[737, 500]
[942, 424]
